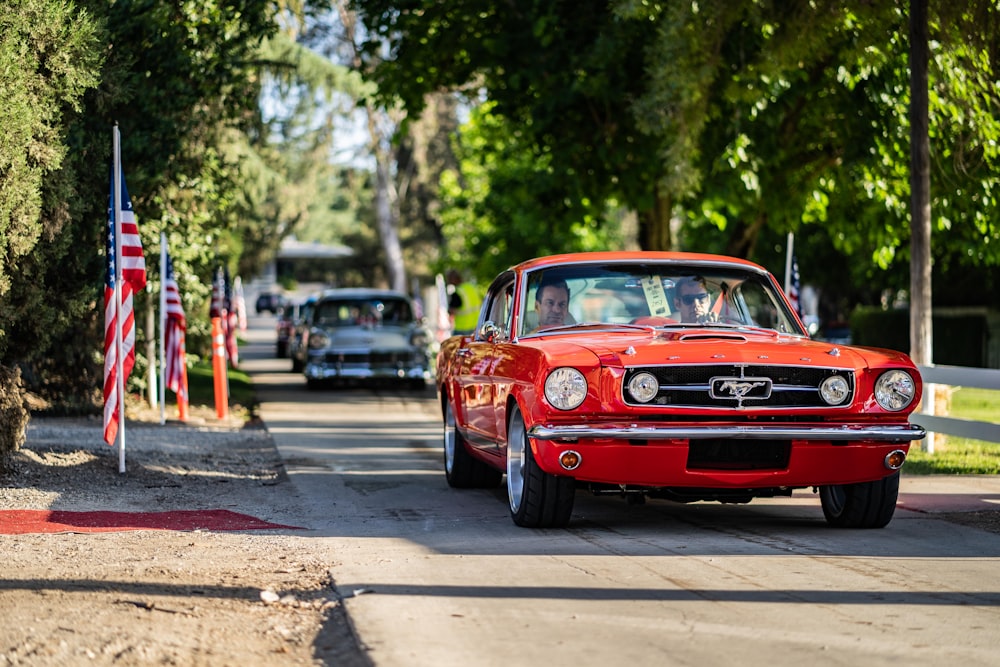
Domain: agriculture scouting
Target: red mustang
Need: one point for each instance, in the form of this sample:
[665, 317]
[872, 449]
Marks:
[669, 375]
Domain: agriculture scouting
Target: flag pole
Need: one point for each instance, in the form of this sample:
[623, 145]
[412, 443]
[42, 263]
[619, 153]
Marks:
[788, 261]
[163, 328]
[119, 347]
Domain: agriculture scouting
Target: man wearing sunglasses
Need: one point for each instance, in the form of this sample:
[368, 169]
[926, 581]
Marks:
[693, 301]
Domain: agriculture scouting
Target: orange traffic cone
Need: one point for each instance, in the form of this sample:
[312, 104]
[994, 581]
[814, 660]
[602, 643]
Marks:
[219, 369]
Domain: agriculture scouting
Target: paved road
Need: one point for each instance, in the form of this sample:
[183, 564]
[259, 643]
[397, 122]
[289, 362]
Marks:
[435, 576]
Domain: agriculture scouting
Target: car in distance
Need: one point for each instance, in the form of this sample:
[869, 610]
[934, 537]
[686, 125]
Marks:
[625, 397]
[365, 334]
[269, 302]
[297, 351]
[288, 315]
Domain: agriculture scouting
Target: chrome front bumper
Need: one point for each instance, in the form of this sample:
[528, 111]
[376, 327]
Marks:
[327, 371]
[628, 431]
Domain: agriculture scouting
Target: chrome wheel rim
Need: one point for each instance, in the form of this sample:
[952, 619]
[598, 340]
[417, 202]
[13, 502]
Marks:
[515, 461]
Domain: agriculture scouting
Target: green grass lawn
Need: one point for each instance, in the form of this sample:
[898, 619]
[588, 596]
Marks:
[960, 456]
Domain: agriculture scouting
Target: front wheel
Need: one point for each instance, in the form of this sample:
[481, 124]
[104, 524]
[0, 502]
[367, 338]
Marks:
[863, 505]
[537, 499]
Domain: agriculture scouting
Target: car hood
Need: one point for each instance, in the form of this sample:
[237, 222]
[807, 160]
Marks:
[708, 346]
[368, 337]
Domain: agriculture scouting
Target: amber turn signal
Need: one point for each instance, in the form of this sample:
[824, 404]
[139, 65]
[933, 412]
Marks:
[570, 460]
[894, 459]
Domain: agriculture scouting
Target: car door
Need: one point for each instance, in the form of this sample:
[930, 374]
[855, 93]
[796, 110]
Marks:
[479, 361]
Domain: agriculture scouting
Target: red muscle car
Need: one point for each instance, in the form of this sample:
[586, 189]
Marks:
[668, 375]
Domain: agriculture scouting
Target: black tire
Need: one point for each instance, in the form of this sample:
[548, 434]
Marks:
[461, 469]
[863, 505]
[537, 499]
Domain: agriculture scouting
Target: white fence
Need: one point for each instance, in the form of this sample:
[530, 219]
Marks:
[955, 376]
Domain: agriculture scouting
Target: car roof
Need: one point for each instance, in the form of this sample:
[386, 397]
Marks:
[634, 256]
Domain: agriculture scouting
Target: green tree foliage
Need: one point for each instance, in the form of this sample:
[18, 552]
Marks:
[182, 80]
[806, 129]
[492, 202]
[747, 119]
[49, 56]
[562, 73]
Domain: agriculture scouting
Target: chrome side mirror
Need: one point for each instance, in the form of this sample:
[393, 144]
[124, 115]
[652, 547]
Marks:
[489, 331]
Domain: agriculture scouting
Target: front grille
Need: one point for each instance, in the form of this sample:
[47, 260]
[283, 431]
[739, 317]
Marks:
[374, 359]
[738, 386]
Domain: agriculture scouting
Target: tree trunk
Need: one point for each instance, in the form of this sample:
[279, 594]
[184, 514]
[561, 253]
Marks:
[921, 335]
[654, 224]
[386, 204]
[743, 237]
[385, 218]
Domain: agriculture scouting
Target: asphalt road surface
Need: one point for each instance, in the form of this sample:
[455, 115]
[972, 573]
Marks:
[436, 576]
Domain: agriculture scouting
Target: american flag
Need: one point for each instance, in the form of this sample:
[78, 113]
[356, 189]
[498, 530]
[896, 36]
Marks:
[133, 276]
[793, 289]
[223, 307]
[173, 334]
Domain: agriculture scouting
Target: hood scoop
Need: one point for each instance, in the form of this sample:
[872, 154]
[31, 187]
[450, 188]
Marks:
[701, 337]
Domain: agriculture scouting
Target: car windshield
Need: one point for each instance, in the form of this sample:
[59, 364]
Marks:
[656, 295]
[363, 312]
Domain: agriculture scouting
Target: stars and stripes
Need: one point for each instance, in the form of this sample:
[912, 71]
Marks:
[794, 289]
[135, 278]
[133, 261]
[174, 333]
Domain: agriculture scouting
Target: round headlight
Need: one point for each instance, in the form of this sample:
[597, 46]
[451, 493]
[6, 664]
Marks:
[895, 390]
[318, 340]
[834, 390]
[565, 388]
[643, 387]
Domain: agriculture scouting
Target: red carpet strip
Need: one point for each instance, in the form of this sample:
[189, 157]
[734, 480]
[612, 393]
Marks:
[21, 522]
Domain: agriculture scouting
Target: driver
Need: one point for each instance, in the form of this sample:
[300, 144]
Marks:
[692, 300]
[552, 303]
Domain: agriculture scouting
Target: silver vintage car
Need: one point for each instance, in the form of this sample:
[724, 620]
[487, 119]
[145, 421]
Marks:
[366, 334]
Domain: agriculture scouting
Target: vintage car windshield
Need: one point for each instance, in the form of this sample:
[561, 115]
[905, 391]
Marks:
[656, 295]
[362, 312]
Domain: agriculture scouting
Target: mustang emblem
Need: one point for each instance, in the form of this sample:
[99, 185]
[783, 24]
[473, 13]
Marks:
[739, 389]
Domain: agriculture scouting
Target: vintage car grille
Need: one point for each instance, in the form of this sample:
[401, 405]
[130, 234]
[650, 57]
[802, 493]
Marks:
[738, 386]
[375, 359]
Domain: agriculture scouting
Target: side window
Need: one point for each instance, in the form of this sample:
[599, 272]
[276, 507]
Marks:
[500, 309]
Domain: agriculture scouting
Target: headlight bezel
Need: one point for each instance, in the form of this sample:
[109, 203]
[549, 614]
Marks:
[566, 388]
[318, 339]
[835, 390]
[643, 384]
[895, 390]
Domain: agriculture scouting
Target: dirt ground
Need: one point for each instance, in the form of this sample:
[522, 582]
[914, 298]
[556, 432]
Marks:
[167, 597]
[164, 597]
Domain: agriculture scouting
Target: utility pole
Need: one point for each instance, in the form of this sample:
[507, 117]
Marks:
[921, 337]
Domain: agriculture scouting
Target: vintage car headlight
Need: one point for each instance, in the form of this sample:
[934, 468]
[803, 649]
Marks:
[565, 388]
[643, 387]
[318, 340]
[895, 390]
[834, 390]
